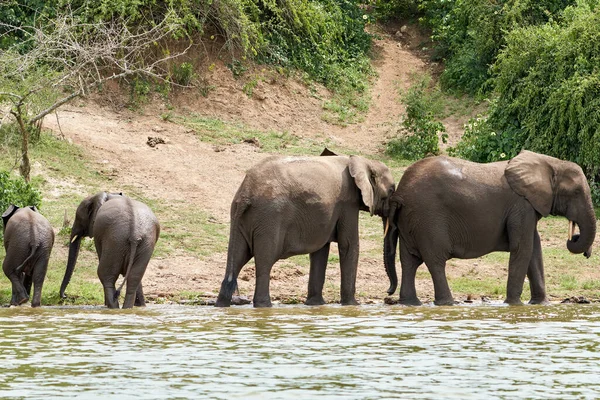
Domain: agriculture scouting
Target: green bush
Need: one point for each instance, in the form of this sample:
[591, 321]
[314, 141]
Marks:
[18, 192]
[470, 33]
[419, 134]
[547, 94]
[480, 143]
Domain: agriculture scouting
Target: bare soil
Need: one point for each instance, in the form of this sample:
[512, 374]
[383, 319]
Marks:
[184, 170]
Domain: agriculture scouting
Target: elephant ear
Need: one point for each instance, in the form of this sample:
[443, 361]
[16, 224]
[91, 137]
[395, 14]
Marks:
[327, 152]
[361, 172]
[532, 176]
[10, 211]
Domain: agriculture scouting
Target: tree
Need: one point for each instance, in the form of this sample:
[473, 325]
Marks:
[63, 58]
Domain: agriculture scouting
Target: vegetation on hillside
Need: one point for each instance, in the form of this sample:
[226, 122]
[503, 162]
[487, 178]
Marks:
[537, 63]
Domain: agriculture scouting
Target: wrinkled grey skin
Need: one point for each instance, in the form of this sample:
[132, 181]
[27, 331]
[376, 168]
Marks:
[298, 205]
[125, 232]
[28, 240]
[450, 208]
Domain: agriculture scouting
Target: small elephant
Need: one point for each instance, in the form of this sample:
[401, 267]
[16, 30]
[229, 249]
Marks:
[28, 240]
[448, 208]
[297, 205]
[125, 232]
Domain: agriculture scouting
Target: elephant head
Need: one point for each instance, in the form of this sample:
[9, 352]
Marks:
[377, 185]
[83, 226]
[556, 187]
[375, 182]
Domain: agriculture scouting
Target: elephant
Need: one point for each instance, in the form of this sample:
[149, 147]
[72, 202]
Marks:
[28, 240]
[288, 206]
[125, 232]
[447, 208]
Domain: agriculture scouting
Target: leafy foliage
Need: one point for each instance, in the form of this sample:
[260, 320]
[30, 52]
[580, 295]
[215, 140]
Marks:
[470, 33]
[419, 136]
[547, 94]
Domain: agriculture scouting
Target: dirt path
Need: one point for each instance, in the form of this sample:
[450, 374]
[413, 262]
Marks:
[185, 170]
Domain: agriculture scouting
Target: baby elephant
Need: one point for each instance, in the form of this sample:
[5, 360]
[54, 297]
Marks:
[125, 232]
[28, 240]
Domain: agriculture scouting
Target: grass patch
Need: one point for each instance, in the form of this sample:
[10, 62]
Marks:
[485, 286]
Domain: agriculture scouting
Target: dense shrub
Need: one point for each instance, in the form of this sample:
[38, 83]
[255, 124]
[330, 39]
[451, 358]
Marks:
[470, 33]
[14, 190]
[420, 131]
[548, 93]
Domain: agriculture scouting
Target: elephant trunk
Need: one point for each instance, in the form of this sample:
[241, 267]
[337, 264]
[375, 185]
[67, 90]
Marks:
[582, 243]
[390, 243]
[73, 254]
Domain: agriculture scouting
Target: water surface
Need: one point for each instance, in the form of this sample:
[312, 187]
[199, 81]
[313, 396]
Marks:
[298, 352]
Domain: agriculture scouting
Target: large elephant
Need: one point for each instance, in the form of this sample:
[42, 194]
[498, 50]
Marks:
[450, 208]
[297, 205]
[28, 240]
[125, 232]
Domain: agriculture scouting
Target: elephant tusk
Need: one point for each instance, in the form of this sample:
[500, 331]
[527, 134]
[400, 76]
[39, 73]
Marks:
[387, 227]
[571, 229]
[74, 239]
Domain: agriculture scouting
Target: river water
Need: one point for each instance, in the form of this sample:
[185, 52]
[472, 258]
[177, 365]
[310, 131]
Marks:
[298, 352]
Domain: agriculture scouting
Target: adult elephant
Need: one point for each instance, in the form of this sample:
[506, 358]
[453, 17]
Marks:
[450, 208]
[125, 232]
[28, 240]
[297, 205]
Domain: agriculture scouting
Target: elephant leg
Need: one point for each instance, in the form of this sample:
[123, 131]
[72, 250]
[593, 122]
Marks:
[316, 277]
[39, 274]
[19, 294]
[409, 264]
[134, 279]
[535, 273]
[262, 294]
[108, 275]
[443, 295]
[27, 282]
[348, 248]
[521, 241]
[140, 300]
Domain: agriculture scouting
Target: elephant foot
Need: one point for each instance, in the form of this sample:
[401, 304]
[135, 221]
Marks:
[410, 302]
[20, 301]
[315, 301]
[350, 302]
[222, 301]
[262, 304]
[513, 302]
[543, 301]
[444, 302]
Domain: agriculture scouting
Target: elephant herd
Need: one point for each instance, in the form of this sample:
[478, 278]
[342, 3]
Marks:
[442, 208]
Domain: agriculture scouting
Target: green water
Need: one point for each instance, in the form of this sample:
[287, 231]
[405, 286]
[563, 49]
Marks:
[298, 352]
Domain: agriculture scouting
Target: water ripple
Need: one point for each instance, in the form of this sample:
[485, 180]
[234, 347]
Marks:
[368, 352]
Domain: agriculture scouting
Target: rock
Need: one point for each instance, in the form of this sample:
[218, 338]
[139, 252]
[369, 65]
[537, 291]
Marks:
[390, 300]
[158, 129]
[398, 34]
[240, 300]
[253, 141]
[153, 141]
[404, 29]
[576, 300]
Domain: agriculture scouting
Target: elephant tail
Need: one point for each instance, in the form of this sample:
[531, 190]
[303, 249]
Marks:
[32, 252]
[132, 250]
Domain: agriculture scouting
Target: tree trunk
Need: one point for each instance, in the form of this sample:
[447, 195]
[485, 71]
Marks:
[25, 167]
